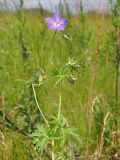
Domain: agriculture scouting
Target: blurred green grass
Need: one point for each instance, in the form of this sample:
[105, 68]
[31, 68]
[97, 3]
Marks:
[96, 77]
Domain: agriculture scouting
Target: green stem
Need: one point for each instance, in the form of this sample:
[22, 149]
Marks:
[53, 38]
[60, 102]
[38, 105]
[53, 45]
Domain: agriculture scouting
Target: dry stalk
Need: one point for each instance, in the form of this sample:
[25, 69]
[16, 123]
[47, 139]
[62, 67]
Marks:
[103, 131]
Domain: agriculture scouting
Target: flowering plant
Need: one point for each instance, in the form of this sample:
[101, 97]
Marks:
[56, 22]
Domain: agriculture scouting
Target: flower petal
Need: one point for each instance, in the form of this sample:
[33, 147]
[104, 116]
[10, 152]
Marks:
[57, 16]
[56, 22]
[61, 27]
[49, 20]
[65, 22]
[51, 27]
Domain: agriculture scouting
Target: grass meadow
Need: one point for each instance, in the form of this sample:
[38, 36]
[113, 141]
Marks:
[89, 101]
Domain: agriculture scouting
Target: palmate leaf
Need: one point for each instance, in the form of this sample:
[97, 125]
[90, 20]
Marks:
[66, 72]
[63, 131]
[72, 65]
[57, 131]
[59, 75]
[59, 122]
[69, 132]
[40, 138]
[73, 132]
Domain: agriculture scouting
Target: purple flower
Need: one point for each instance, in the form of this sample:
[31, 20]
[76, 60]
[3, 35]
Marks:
[56, 22]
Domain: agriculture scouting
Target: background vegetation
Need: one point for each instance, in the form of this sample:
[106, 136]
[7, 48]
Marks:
[91, 104]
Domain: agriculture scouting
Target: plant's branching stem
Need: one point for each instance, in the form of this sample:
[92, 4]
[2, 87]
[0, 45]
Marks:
[33, 87]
